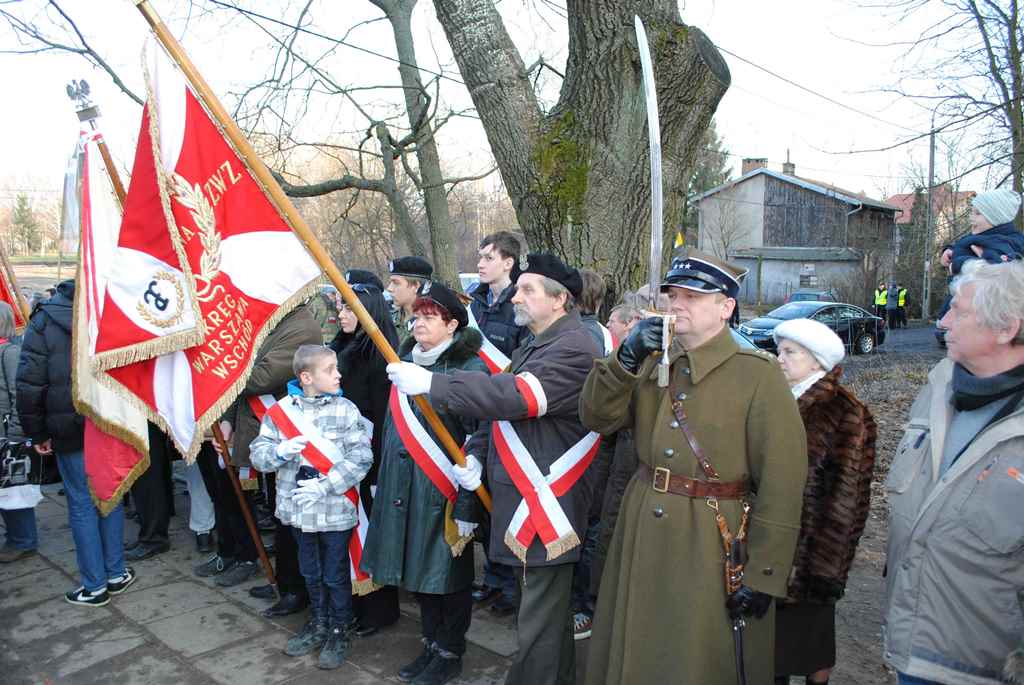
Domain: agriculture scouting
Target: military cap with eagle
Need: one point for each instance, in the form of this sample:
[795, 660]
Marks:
[704, 273]
[447, 298]
[549, 265]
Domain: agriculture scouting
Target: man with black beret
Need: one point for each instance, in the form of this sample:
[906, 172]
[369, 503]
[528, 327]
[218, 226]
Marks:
[724, 438]
[408, 274]
[535, 457]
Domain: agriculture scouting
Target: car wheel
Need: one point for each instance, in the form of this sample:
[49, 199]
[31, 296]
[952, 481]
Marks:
[865, 344]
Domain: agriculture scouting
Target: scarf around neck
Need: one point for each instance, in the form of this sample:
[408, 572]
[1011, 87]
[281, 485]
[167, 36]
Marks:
[971, 392]
[429, 357]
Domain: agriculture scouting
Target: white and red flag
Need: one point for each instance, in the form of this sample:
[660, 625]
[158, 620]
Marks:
[116, 435]
[241, 270]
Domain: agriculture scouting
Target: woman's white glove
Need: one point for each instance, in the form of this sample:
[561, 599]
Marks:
[410, 378]
[293, 446]
[309, 491]
[468, 477]
[465, 528]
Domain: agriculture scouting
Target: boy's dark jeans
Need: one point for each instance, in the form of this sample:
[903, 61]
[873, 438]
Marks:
[323, 561]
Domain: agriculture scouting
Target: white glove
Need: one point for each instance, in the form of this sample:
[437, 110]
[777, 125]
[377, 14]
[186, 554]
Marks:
[293, 446]
[465, 528]
[468, 477]
[410, 378]
[309, 491]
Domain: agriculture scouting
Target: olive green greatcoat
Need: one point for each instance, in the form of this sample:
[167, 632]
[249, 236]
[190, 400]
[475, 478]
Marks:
[661, 612]
[405, 543]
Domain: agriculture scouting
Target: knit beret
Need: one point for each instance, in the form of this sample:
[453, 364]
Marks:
[820, 340]
[999, 206]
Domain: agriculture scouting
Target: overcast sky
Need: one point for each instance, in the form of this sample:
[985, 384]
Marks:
[760, 116]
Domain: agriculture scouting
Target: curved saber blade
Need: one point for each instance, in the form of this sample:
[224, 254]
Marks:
[654, 136]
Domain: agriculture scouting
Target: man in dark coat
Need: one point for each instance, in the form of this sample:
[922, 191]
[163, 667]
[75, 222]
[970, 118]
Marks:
[534, 408]
[493, 314]
[49, 419]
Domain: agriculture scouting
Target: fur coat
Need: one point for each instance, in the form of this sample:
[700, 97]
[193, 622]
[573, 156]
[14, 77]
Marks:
[841, 455]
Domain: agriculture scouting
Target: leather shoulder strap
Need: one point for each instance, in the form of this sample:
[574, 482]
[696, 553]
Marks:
[680, 413]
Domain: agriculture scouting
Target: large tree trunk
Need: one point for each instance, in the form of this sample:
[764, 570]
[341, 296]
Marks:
[431, 180]
[579, 177]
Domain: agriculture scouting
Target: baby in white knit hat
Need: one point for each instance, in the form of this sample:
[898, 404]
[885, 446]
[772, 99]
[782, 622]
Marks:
[993, 236]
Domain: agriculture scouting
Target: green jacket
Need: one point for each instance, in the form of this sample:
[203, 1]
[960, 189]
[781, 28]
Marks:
[661, 609]
[405, 543]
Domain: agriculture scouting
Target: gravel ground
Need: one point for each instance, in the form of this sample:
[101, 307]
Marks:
[888, 384]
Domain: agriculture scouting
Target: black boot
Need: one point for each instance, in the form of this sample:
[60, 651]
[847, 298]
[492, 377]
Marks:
[419, 664]
[442, 668]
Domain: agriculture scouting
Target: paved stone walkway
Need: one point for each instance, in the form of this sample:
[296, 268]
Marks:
[172, 627]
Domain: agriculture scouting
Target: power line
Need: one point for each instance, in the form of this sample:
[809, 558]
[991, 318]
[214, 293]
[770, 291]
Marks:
[337, 41]
[815, 93]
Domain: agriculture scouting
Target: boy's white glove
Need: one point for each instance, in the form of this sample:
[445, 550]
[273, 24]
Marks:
[293, 446]
[309, 491]
[410, 378]
[468, 477]
[465, 528]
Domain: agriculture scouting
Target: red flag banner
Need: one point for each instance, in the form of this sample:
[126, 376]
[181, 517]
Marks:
[248, 269]
[10, 294]
[116, 444]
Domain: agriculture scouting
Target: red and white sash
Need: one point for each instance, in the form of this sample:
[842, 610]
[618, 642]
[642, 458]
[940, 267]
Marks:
[321, 454]
[539, 512]
[423, 449]
[494, 358]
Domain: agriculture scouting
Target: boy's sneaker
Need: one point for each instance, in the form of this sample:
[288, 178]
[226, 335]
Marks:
[84, 598]
[332, 655]
[441, 669]
[239, 573]
[118, 585]
[312, 637]
[582, 624]
[214, 565]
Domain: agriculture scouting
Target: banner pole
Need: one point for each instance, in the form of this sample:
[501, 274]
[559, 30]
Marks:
[12, 281]
[222, 446]
[296, 222]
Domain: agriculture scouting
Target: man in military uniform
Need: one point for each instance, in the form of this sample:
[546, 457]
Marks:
[725, 434]
[323, 306]
[536, 447]
[408, 274]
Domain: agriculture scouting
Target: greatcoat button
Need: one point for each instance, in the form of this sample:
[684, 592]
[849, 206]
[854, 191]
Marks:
[674, 424]
[397, 502]
[670, 452]
[686, 371]
[681, 397]
[768, 571]
[659, 512]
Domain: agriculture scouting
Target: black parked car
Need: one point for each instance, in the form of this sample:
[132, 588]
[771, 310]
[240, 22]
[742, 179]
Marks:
[811, 296]
[859, 330]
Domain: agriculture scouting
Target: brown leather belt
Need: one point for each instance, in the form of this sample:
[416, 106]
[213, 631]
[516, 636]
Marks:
[663, 480]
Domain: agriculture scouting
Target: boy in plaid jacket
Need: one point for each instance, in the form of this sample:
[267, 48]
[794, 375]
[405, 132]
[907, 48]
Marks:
[314, 503]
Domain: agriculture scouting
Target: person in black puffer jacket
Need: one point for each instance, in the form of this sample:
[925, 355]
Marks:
[49, 419]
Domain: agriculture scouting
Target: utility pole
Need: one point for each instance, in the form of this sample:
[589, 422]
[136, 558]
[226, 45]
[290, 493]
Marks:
[926, 291]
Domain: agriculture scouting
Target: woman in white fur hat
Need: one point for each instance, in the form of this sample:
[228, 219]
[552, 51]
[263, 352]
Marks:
[841, 454]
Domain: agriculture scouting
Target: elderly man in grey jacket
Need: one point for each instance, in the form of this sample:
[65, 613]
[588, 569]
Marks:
[955, 565]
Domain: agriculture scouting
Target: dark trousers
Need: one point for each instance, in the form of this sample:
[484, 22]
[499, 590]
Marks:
[153, 491]
[286, 554]
[379, 609]
[903, 316]
[582, 600]
[323, 559]
[546, 654]
[498, 576]
[233, 537]
[894, 318]
[445, 619]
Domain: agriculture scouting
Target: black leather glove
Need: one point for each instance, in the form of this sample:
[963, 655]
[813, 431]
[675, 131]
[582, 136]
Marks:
[641, 341]
[746, 602]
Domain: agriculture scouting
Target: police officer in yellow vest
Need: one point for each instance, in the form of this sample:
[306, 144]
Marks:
[881, 296]
[902, 304]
